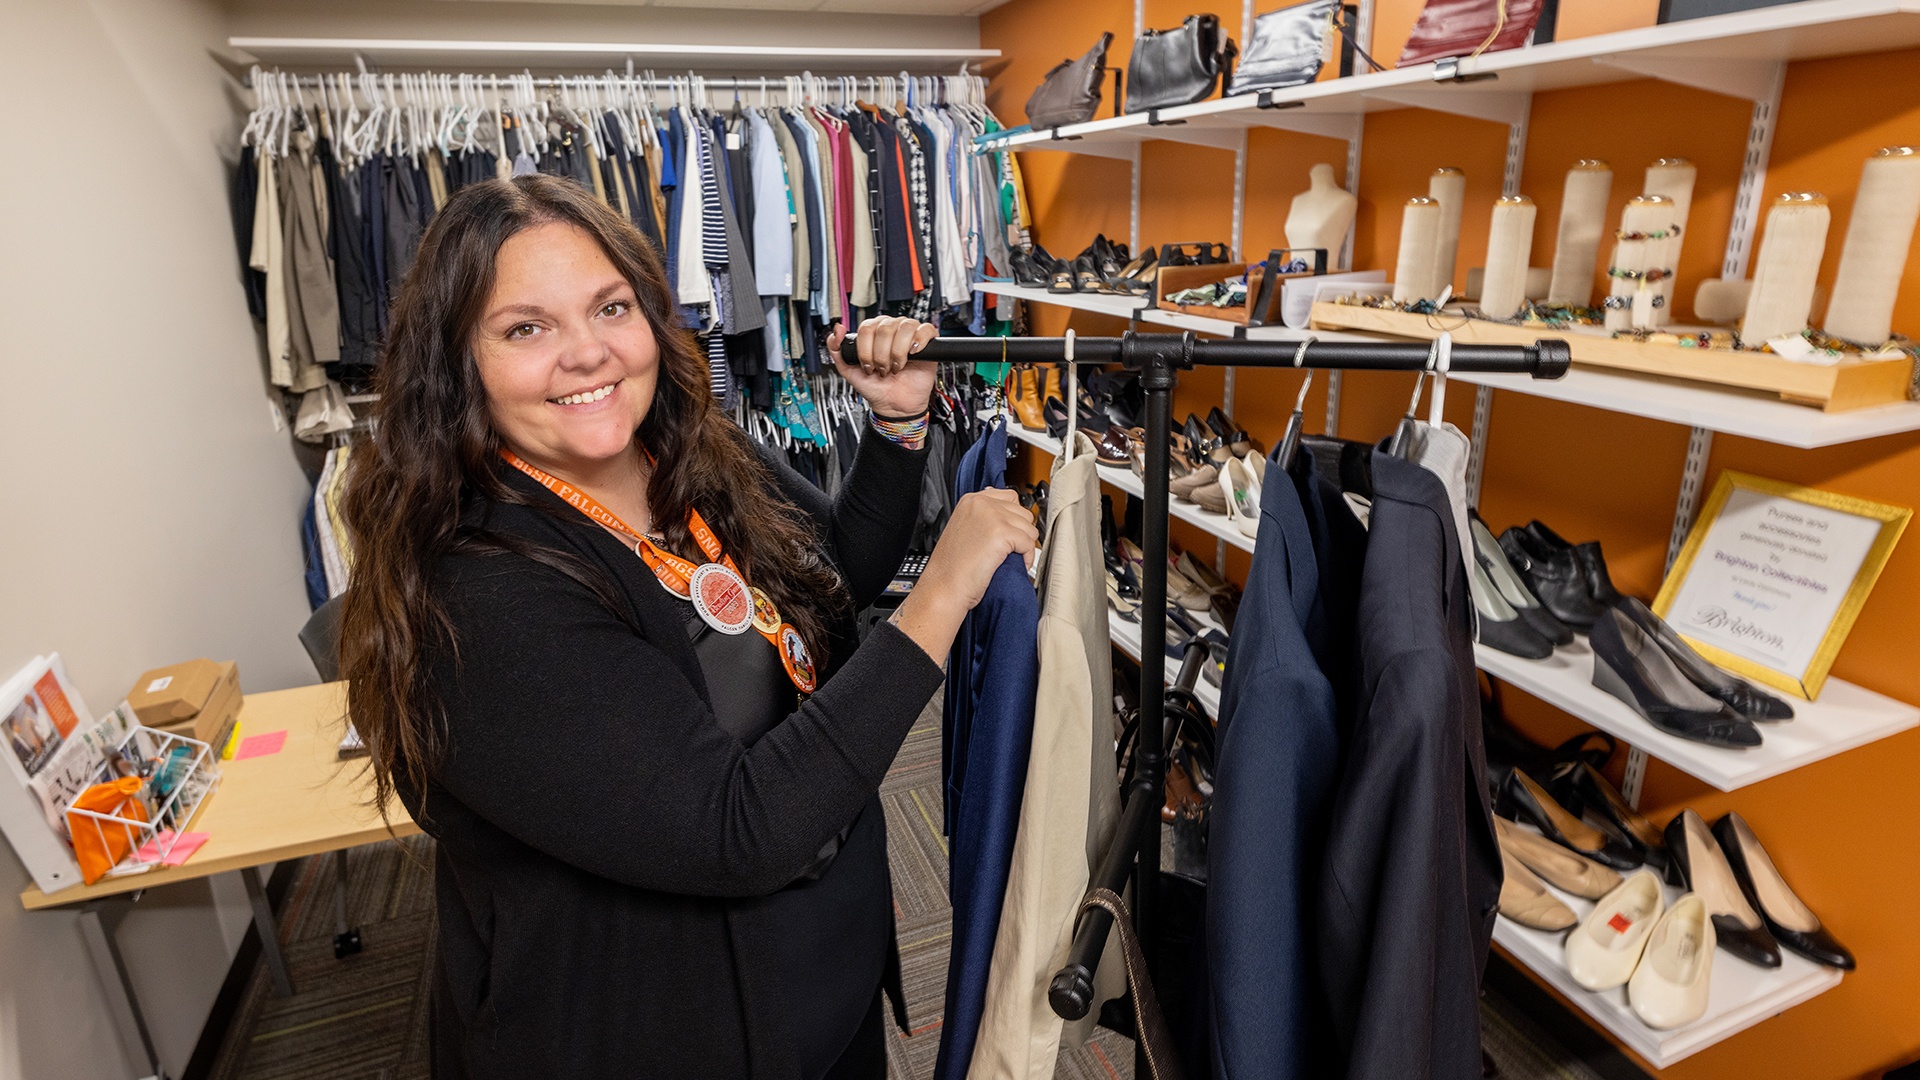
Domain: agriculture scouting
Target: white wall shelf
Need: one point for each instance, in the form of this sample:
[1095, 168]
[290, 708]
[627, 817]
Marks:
[1126, 635]
[1217, 524]
[1739, 995]
[512, 55]
[1123, 307]
[1731, 54]
[1846, 716]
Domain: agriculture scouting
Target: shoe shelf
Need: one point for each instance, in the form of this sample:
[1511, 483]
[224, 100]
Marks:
[1739, 995]
[1731, 54]
[1217, 524]
[1846, 716]
[1119, 306]
[1200, 324]
[1126, 635]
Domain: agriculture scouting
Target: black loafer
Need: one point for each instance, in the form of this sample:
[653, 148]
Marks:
[1751, 864]
[1696, 863]
[1739, 695]
[1553, 576]
[1628, 664]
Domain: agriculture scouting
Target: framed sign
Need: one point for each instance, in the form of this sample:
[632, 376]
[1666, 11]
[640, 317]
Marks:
[1773, 575]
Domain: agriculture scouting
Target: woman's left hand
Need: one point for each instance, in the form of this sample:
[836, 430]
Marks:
[893, 383]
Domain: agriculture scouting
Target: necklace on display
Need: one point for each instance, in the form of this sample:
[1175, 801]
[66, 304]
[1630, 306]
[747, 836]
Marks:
[716, 589]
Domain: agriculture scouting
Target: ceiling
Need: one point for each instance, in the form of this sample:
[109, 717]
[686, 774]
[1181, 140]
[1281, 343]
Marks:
[865, 7]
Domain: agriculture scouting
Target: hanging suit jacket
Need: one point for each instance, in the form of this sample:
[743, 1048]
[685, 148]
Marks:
[1071, 804]
[1273, 788]
[1413, 873]
[993, 674]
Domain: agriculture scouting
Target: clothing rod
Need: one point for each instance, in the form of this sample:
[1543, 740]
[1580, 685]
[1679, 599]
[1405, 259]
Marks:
[1544, 359]
[658, 82]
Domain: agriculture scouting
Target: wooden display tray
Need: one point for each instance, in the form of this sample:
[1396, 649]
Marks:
[1172, 279]
[1850, 384]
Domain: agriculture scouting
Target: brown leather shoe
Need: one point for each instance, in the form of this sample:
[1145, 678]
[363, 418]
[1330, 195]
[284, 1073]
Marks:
[1204, 478]
[1025, 398]
[1116, 448]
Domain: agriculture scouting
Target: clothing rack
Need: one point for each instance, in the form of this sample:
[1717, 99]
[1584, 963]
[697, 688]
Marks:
[1156, 358]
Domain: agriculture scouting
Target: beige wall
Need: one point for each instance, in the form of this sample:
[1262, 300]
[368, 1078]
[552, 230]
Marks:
[150, 511]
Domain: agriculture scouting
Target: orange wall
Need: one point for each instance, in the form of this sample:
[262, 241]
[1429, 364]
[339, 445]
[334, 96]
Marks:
[1841, 829]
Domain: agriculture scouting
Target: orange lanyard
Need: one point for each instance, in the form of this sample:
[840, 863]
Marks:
[679, 576]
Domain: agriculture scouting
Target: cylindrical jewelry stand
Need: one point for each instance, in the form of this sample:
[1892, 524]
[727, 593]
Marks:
[1672, 177]
[1413, 272]
[1509, 244]
[1583, 218]
[1783, 276]
[1878, 236]
[1447, 186]
[1636, 271]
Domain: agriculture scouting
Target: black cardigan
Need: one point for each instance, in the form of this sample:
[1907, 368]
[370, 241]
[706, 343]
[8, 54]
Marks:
[601, 837]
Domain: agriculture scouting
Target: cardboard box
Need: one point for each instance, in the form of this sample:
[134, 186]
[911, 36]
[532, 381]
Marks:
[199, 697]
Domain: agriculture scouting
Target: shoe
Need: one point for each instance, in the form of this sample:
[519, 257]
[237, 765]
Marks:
[1031, 266]
[1185, 593]
[1236, 440]
[1561, 868]
[1122, 598]
[1025, 401]
[1791, 922]
[1496, 624]
[1205, 448]
[1606, 948]
[1580, 788]
[1086, 272]
[1242, 496]
[1137, 279]
[1628, 664]
[1059, 276]
[1697, 864]
[1196, 478]
[1524, 898]
[1203, 575]
[1593, 568]
[1552, 576]
[1115, 448]
[1738, 694]
[1210, 497]
[1500, 572]
[1669, 986]
[1521, 798]
[1055, 414]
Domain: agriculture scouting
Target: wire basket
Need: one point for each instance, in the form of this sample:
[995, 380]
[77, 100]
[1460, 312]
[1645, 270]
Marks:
[177, 774]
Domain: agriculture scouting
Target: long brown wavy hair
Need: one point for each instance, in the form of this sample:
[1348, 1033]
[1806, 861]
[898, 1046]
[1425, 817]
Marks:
[436, 453]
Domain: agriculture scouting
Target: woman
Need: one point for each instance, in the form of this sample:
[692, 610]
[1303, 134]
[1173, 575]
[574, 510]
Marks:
[657, 855]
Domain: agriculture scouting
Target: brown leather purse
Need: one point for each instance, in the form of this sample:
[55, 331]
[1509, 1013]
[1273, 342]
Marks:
[1469, 28]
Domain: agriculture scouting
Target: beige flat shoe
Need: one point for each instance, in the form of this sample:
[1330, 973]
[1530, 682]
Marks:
[1669, 988]
[1183, 487]
[1562, 868]
[1524, 898]
[1202, 575]
[1209, 496]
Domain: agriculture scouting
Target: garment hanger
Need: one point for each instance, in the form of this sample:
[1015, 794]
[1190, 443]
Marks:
[1443, 363]
[1289, 447]
[1406, 438]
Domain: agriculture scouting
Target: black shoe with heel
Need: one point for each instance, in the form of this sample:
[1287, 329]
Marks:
[1696, 863]
[1631, 666]
[1791, 922]
[1580, 788]
[1523, 799]
[1736, 693]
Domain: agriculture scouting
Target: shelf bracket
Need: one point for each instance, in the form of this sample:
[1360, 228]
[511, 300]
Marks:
[1477, 447]
[1749, 80]
[1495, 106]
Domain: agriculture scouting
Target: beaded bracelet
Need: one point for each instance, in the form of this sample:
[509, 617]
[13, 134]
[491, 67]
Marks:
[1659, 234]
[1655, 274]
[909, 433]
[1622, 303]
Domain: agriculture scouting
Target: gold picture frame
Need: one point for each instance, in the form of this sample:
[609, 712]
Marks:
[1807, 682]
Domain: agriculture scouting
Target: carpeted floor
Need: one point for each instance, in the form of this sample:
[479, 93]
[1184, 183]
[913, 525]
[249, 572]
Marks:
[365, 1018]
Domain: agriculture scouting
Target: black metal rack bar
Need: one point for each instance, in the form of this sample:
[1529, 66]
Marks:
[1157, 357]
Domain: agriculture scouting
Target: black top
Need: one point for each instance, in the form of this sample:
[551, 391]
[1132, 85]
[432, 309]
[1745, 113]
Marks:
[616, 869]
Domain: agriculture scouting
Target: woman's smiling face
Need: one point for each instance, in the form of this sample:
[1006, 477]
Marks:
[567, 357]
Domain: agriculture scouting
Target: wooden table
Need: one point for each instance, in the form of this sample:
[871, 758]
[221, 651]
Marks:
[301, 801]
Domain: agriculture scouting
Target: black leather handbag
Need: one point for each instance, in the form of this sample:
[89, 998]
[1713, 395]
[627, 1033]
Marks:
[1070, 94]
[1287, 48]
[1178, 66]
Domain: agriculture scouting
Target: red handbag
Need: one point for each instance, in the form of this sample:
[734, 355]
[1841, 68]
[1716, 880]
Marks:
[1469, 28]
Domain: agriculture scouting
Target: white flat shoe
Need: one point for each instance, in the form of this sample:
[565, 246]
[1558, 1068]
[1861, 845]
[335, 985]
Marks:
[1669, 988]
[1602, 952]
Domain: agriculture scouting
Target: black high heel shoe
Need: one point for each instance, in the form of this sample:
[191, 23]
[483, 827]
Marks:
[1207, 449]
[1631, 666]
[1580, 788]
[1738, 694]
[1231, 434]
[1522, 798]
[1791, 922]
[1697, 864]
[1086, 272]
[1090, 421]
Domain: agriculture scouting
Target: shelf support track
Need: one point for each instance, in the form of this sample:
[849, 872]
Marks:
[1753, 178]
[1477, 447]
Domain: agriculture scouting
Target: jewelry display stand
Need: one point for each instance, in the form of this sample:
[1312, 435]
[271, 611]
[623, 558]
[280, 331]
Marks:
[1673, 178]
[1448, 187]
[1413, 272]
[1638, 267]
[1509, 244]
[1320, 216]
[1879, 232]
[1583, 217]
[1783, 276]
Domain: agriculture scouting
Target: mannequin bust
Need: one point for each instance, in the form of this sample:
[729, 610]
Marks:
[1321, 215]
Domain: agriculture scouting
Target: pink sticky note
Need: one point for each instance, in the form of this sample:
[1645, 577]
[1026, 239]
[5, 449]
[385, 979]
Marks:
[150, 851]
[184, 847]
[260, 745]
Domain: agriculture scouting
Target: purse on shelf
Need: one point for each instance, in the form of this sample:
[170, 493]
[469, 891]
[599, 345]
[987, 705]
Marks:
[1070, 94]
[1469, 28]
[1288, 47]
[1178, 66]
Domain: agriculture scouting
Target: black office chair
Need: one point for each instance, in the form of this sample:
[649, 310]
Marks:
[321, 636]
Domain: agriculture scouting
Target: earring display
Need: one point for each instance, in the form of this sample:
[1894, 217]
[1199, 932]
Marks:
[1447, 186]
[1509, 244]
[1879, 232]
[1413, 273]
[1637, 270]
[1672, 178]
[1583, 218]
[1783, 276]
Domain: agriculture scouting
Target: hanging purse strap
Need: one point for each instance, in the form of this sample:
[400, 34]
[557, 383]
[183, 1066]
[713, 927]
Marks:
[1149, 1026]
